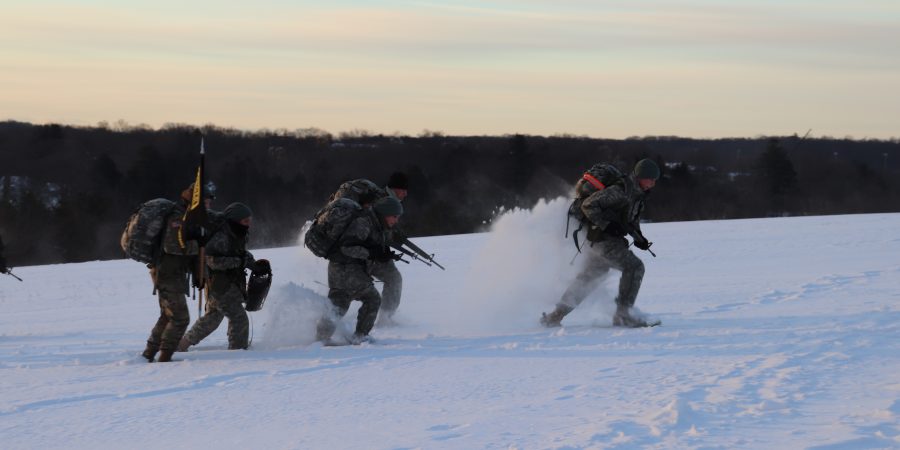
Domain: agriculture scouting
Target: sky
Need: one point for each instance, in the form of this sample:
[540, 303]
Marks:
[598, 68]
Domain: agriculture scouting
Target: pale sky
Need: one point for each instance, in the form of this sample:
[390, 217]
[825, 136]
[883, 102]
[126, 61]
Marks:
[587, 67]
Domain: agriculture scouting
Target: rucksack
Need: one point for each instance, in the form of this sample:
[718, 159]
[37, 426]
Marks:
[600, 176]
[358, 190]
[329, 225]
[142, 238]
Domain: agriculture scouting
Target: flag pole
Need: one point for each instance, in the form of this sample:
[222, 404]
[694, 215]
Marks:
[202, 242]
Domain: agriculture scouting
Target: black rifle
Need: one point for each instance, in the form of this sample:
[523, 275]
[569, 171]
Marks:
[410, 254]
[635, 233]
[414, 251]
[9, 272]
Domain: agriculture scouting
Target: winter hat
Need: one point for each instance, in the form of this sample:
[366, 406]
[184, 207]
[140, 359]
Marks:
[646, 168]
[398, 180]
[236, 212]
[388, 206]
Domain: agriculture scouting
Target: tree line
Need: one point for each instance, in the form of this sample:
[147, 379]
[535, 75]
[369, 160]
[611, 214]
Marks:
[66, 191]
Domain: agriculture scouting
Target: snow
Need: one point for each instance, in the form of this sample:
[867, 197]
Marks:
[777, 333]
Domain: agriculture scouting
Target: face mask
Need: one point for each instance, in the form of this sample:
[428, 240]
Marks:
[238, 229]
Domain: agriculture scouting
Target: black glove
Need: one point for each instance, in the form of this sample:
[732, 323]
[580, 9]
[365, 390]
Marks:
[642, 242]
[194, 232]
[195, 277]
[383, 254]
[261, 266]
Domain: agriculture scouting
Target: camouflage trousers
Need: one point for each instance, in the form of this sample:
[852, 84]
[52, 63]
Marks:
[170, 279]
[348, 282]
[605, 254]
[222, 303]
[388, 273]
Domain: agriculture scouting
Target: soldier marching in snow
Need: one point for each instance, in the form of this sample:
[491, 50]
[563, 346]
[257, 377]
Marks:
[3, 267]
[612, 210]
[386, 271]
[362, 245]
[226, 259]
[170, 272]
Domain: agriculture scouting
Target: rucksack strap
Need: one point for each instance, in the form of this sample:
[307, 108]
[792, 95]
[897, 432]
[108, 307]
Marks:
[575, 236]
[594, 181]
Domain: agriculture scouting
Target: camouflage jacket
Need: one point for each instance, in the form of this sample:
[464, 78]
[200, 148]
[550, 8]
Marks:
[226, 259]
[364, 239]
[616, 210]
[227, 251]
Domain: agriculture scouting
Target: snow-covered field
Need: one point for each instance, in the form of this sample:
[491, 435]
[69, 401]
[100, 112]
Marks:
[777, 333]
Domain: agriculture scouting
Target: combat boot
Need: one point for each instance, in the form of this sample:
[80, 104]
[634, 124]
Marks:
[359, 338]
[183, 345]
[623, 318]
[324, 329]
[150, 352]
[554, 319]
[165, 355]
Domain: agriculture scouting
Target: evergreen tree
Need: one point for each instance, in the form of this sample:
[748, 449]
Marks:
[776, 169]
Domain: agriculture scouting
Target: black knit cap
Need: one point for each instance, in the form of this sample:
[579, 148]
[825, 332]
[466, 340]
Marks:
[388, 206]
[646, 168]
[398, 180]
[236, 212]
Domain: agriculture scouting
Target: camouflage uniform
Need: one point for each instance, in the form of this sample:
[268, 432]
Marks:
[170, 279]
[612, 212]
[385, 271]
[226, 259]
[3, 267]
[349, 275]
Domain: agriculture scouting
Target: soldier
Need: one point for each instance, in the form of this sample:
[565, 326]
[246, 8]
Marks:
[3, 267]
[170, 280]
[226, 259]
[349, 268]
[613, 212]
[386, 271]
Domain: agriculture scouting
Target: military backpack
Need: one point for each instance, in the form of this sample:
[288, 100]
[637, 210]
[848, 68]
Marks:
[597, 178]
[142, 238]
[329, 225]
[360, 191]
